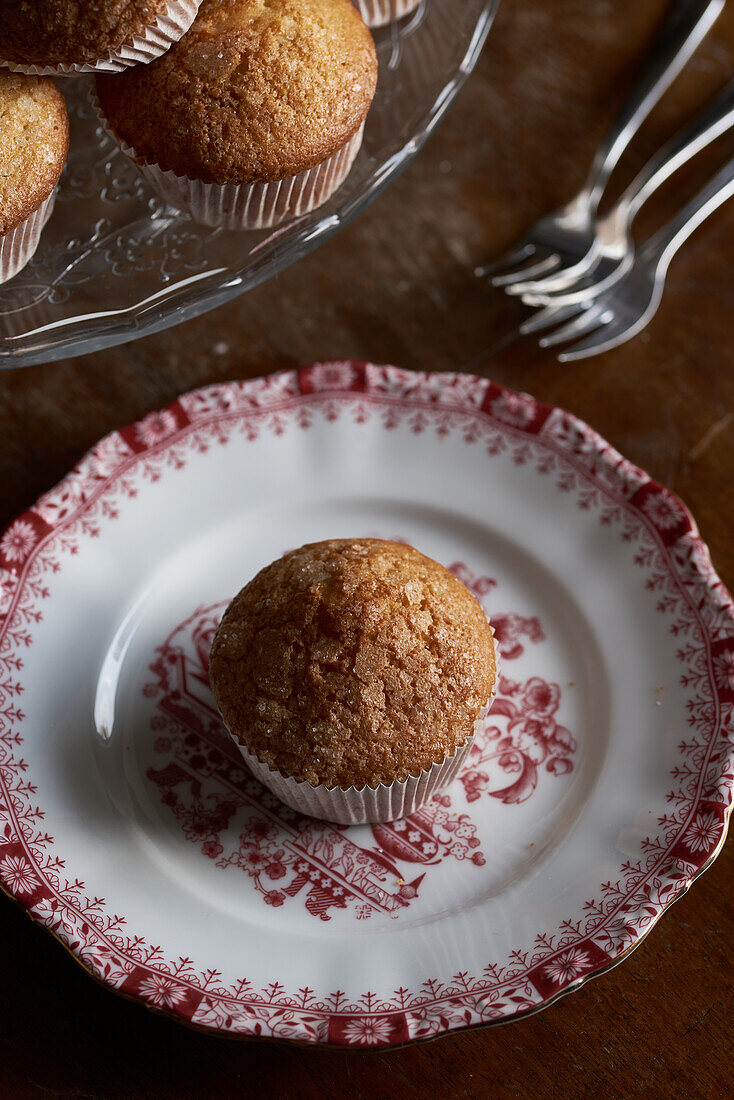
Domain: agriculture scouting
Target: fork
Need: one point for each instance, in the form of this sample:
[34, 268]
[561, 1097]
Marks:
[612, 253]
[626, 308]
[561, 241]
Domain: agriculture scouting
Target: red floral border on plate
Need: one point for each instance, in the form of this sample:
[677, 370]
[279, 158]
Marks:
[678, 572]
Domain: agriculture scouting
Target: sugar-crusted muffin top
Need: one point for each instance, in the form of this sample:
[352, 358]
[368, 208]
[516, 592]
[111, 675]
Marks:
[353, 662]
[34, 141]
[71, 32]
[256, 91]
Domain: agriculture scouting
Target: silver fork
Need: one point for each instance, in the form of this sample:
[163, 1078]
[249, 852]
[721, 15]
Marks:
[626, 308]
[561, 240]
[612, 253]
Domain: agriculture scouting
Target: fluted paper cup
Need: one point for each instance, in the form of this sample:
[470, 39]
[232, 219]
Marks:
[17, 246]
[378, 12]
[244, 205]
[155, 40]
[362, 805]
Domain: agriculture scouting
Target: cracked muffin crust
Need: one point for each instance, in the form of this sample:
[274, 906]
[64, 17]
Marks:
[71, 32]
[34, 141]
[353, 662]
[257, 91]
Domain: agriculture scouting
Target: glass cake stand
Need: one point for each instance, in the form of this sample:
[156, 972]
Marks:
[115, 262]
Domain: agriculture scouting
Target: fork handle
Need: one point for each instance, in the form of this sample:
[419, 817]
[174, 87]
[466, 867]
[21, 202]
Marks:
[716, 118]
[663, 245]
[687, 25]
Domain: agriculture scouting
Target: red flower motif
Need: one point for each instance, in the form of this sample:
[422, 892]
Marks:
[724, 669]
[18, 541]
[199, 827]
[212, 848]
[254, 859]
[703, 833]
[663, 510]
[540, 698]
[162, 991]
[18, 873]
[325, 376]
[275, 870]
[155, 427]
[566, 967]
[368, 1031]
[274, 897]
[514, 408]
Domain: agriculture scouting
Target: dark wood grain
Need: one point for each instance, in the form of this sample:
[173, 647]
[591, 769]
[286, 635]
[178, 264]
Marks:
[398, 286]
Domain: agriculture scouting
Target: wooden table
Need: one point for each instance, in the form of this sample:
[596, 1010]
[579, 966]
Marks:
[398, 286]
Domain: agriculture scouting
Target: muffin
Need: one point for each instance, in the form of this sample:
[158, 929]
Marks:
[352, 675]
[67, 37]
[34, 141]
[378, 12]
[255, 115]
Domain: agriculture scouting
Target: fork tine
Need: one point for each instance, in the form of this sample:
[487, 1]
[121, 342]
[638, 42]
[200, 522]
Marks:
[593, 318]
[577, 293]
[546, 318]
[509, 259]
[542, 267]
[558, 280]
[618, 332]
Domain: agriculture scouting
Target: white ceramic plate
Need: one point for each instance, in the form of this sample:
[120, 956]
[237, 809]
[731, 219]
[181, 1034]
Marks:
[600, 788]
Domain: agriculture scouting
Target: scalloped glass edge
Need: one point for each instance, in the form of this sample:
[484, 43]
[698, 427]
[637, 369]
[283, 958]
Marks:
[84, 333]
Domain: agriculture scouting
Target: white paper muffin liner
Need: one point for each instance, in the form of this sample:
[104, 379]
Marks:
[17, 246]
[355, 806]
[244, 205]
[378, 12]
[138, 50]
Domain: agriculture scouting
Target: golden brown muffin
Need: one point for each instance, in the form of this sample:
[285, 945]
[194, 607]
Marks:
[256, 91]
[353, 662]
[71, 32]
[34, 141]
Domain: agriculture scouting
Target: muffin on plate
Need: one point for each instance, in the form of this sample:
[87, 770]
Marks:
[378, 12]
[34, 141]
[68, 37]
[255, 115]
[352, 674]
